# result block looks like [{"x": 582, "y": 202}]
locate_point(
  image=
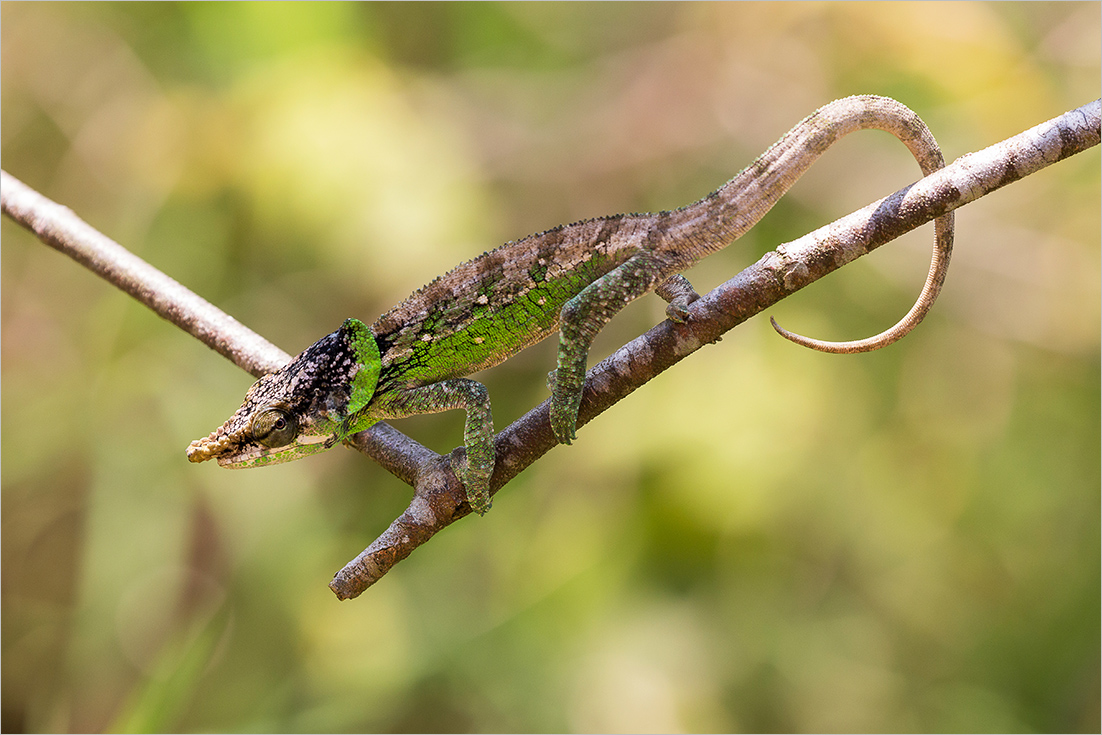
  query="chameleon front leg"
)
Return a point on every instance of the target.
[
  {"x": 478, "y": 431},
  {"x": 587, "y": 313}
]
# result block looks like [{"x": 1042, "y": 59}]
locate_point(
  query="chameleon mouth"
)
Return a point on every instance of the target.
[
  {"x": 259, "y": 456},
  {"x": 249, "y": 457},
  {"x": 232, "y": 454}
]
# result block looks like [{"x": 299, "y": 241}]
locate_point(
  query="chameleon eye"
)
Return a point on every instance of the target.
[{"x": 273, "y": 427}]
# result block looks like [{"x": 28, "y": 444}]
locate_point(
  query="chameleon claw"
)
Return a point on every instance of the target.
[
  {"x": 564, "y": 419},
  {"x": 479, "y": 504},
  {"x": 480, "y": 501},
  {"x": 678, "y": 311},
  {"x": 476, "y": 484}
]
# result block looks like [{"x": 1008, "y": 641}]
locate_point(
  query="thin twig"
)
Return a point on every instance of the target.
[{"x": 60, "y": 228}]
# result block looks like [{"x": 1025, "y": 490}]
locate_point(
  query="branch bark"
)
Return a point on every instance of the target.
[{"x": 439, "y": 498}]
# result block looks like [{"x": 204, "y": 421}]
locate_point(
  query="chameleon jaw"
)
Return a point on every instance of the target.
[
  {"x": 233, "y": 453},
  {"x": 258, "y": 456}
]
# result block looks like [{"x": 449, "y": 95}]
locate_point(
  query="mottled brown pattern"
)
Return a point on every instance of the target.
[{"x": 504, "y": 274}]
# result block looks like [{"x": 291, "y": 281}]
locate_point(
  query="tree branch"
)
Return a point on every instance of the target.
[
  {"x": 439, "y": 498},
  {"x": 60, "y": 228}
]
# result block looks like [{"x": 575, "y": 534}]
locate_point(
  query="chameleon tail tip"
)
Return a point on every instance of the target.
[{"x": 883, "y": 339}]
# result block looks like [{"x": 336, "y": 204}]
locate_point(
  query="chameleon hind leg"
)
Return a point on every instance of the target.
[
  {"x": 678, "y": 293},
  {"x": 478, "y": 431},
  {"x": 587, "y": 313}
]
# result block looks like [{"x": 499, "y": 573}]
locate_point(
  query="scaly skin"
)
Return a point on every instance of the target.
[{"x": 574, "y": 278}]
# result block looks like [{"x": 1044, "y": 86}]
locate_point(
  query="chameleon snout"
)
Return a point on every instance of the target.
[{"x": 210, "y": 447}]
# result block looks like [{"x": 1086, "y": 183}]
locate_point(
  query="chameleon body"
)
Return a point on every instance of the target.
[{"x": 572, "y": 278}]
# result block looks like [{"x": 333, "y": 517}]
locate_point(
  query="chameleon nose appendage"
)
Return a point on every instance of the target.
[{"x": 210, "y": 447}]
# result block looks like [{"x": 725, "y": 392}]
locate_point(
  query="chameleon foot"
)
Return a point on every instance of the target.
[
  {"x": 564, "y": 416},
  {"x": 476, "y": 484}
]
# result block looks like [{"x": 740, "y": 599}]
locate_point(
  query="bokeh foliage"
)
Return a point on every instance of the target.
[{"x": 762, "y": 539}]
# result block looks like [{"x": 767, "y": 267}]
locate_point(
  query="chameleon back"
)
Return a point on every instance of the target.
[{"x": 487, "y": 309}]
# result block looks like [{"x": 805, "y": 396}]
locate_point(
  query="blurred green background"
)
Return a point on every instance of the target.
[{"x": 764, "y": 538}]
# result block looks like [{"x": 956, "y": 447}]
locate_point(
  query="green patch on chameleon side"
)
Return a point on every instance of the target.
[
  {"x": 490, "y": 331},
  {"x": 366, "y": 350}
]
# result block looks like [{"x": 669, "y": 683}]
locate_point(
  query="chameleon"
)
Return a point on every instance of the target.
[{"x": 572, "y": 278}]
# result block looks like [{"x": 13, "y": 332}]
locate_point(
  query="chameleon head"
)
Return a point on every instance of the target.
[{"x": 303, "y": 408}]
